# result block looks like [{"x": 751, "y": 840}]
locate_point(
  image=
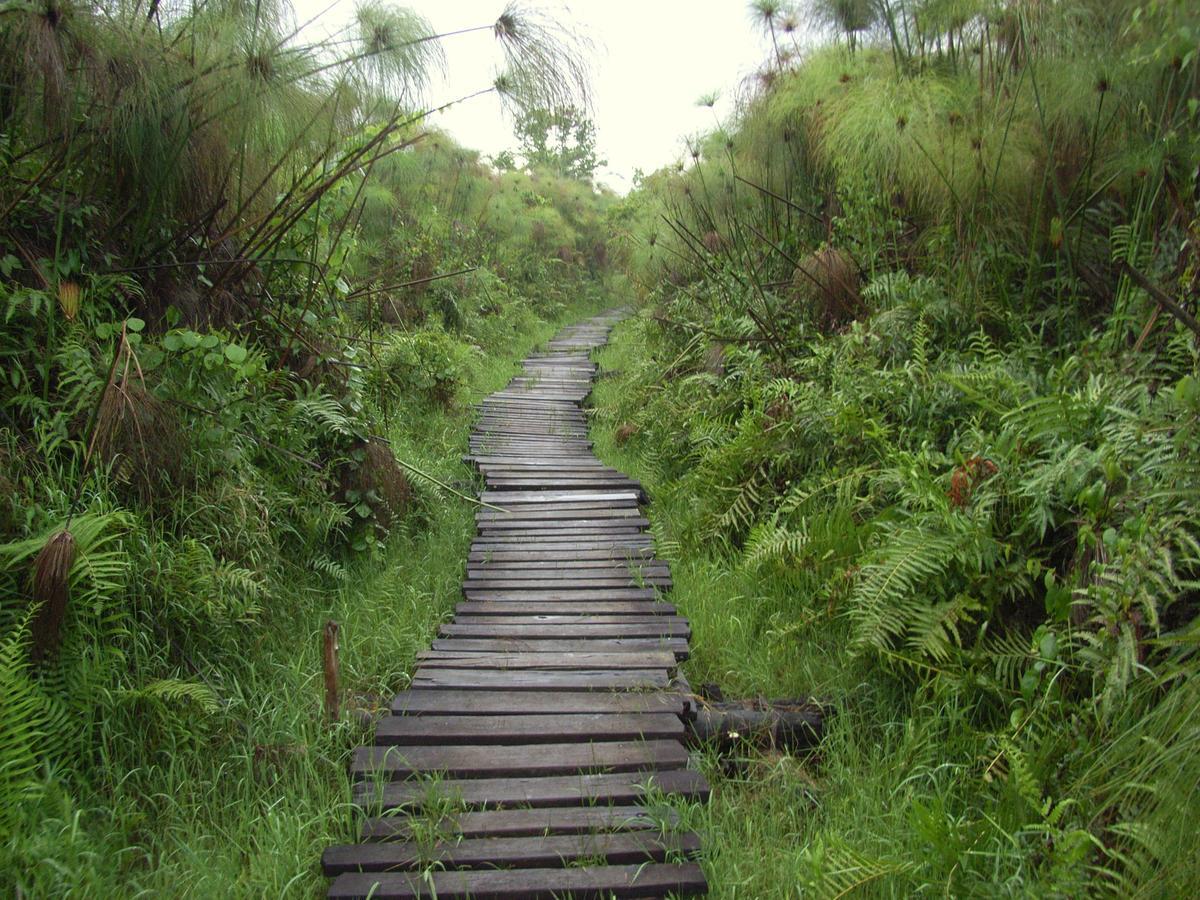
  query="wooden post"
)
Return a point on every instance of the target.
[{"x": 332, "y": 704}]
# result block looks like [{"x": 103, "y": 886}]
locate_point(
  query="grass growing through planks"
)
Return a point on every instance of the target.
[{"x": 242, "y": 804}]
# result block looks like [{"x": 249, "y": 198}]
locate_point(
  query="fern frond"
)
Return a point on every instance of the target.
[
  {"x": 23, "y": 728},
  {"x": 887, "y": 599},
  {"x": 176, "y": 690}
]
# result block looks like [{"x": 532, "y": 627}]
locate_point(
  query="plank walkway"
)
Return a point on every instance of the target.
[{"x": 517, "y": 763}]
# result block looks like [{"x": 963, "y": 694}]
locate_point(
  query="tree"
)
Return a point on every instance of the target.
[{"x": 561, "y": 141}]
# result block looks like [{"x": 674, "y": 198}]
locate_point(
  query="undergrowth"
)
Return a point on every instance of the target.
[
  {"x": 914, "y": 382},
  {"x": 228, "y": 782}
]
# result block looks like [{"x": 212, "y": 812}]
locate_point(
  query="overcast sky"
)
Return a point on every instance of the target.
[{"x": 654, "y": 59}]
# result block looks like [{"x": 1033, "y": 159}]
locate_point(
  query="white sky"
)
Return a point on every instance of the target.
[{"x": 653, "y": 60}]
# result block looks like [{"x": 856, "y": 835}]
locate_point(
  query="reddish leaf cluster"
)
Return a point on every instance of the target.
[{"x": 967, "y": 477}]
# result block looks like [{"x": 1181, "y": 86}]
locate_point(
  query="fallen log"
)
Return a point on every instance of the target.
[{"x": 787, "y": 724}]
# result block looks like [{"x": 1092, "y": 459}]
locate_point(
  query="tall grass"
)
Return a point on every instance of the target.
[
  {"x": 233, "y": 790},
  {"x": 908, "y": 416}
]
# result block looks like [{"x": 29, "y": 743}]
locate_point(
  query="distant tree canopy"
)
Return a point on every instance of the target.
[{"x": 561, "y": 141}]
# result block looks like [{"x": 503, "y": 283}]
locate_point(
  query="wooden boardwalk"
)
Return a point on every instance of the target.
[{"x": 550, "y": 705}]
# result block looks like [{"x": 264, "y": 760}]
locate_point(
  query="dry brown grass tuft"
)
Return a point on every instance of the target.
[
  {"x": 139, "y": 438},
  {"x": 623, "y": 433},
  {"x": 51, "y": 591},
  {"x": 381, "y": 474},
  {"x": 828, "y": 281}
]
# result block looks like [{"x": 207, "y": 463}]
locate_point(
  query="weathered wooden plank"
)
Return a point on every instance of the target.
[
  {"x": 558, "y": 506},
  {"x": 527, "y": 822},
  {"x": 527, "y": 729},
  {"x": 596, "y": 566},
  {"x": 587, "y": 680},
  {"x": 557, "y": 594},
  {"x": 579, "y": 582},
  {"x": 583, "y": 617},
  {"x": 635, "y": 543},
  {"x": 648, "y": 880},
  {"x": 525, "y": 517},
  {"x": 611, "y": 555},
  {"x": 677, "y": 646},
  {"x": 540, "y": 497},
  {"x": 653, "y": 628},
  {"x": 511, "y": 522},
  {"x": 535, "y": 793},
  {"x": 521, "y": 852},
  {"x": 557, "y": 702},
  {"x": 543, "y": 661},
  {"x": 533, "y": 608},
  {"x": 516, "y": 760}
]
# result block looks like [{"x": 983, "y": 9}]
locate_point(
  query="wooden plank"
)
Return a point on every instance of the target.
[
  {"x": 527, "y": 729},
  {"x": 505, "y": 702},
  {"x": 525, "y": 517},
  {"x": 597, "y": 523},
  {"x": 598, "y": 566},
  {"x": 586, "y": 680},
  {"x": 636, "y": 543},
  {"x": 677, "y": 646},
  {"x": 535, "y": 793},
  {"x": 567, "y": 582},
  {"x": 544, "y": 595},
  {"x": 579, "y": 582},
  {"x": 622, "y": 848},
  {"x": 557, "y": 506},
  {"x": 516, "y": 760},
  {"x": 654, "y": 628},
  {"x": 648, "y": 880},
  {"x": 544, "y": 661},
  {"x": 583, "y": 617},
  {"x": 540, "y": 497},
  {"x": 528, "y": 822},
  {"x": 533, "y": 608},
  {"x": 585, "y": 463},
  {"x": 610, "y": 556}
]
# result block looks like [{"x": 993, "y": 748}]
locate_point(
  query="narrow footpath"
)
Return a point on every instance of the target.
[{"x": 550, "y": 706}]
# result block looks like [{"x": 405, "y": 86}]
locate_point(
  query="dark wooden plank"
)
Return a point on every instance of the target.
[
  {"x": 516, "y": 760},
  {"x": 582, "y": 582},
  {"x": 534, "y": 608},
  {"x": 558, "y": 506},
  {"x": 676, "y": 646},
  {"x": 527, "y": 822},
  {"x": 536, "y": 793},
  {"x": 526, "y": 517},
  {"x": 648, "y": 880},
  {"x": 583, "y": 617},
  {"x": 587, "y": 680},
  {"x": 565, "y": 572},
  {"x": 592, "y": 566},
  {"x": 612, "y": 533},
  {"x": 621, "y": 848},
  {"x": 505, "y": 702},
  {"x": 636, "y": 543},
  {"x": 514, "y": 522},
  {"x": 585, "y": 463},
  {"x": 656, "y": 627},
  {"x": 615, "y": 555},
  {"x": 540, "y": 497},
  {"x": 526, "y": 729},
  {"x": 543, "y": 661},
  {"x": 556, "y": 594}
]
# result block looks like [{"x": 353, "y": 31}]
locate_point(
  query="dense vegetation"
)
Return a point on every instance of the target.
[
  {"x": 248, "y": 293},
  {"x": 915, "y": 388}
]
